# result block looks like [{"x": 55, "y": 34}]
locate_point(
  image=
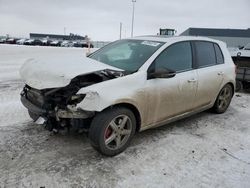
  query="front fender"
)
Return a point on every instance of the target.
[
  {"x": 129, "y": 89},
  {"x": 94, "y": 101}
]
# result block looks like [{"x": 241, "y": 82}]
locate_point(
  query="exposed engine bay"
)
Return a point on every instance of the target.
[{"x": 57, "y": 106}]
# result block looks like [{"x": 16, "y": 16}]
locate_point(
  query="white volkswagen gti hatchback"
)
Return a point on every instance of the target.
[{"x": 128, "y": 86}]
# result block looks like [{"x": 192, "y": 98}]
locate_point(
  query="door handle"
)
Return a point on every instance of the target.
[
  {"x": 192, "y": 80},
  {"x": 220, "y": 73}
]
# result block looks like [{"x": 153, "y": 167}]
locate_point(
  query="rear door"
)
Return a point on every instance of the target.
[{"x": 209, "y": 62}]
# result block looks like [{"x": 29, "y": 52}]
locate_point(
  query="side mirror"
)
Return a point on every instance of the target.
[{"x": 161, "y": 73}]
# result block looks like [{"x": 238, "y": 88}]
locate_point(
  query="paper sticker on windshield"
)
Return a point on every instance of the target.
[{"x": 151, "y": 43}]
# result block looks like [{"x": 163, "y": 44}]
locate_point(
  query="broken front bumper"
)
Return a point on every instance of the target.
[
  {"x": 31, "y": 107},
  {"x": 69, "y": 113}
]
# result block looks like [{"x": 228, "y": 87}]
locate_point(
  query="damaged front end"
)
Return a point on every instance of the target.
[{"x": 57, "y": 107}]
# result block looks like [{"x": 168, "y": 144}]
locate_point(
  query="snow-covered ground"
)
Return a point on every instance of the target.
[{"x": 205, "y": 150}]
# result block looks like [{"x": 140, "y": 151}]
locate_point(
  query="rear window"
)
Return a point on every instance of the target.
[
  {"x": 219, "y": 55},
  {"x": 205, "y": 54}
]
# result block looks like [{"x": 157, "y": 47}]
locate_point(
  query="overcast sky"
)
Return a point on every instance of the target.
[{"x": 100, "y": 18}]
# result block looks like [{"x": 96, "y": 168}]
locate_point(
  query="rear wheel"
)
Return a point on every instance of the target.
[
  {"x": 239, "y": 85},
  {"x": 224, "y": 99},
  {"x": 112, "y": 130}
]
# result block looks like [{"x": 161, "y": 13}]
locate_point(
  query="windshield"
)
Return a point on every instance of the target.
[{"x": 128, "y": 55}]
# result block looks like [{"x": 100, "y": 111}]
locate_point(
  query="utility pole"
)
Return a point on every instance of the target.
[
  {"x": 133, "y": 17},
  {"x": 120, "y": 30}
]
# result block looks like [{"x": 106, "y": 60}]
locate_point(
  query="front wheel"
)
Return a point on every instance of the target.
[
  {"x": 112, "y": 130},
  {"x": 224, "y": 99}
]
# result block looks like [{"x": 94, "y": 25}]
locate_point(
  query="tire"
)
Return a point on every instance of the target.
[
  {"x": 33, "y": 115},
  {"x": 239, "y": 86},
  {"x": 112, "y": 130},
  {"x": 223, "y": 99}
]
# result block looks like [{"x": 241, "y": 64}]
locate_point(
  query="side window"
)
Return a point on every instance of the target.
[
  {"x": 219, "y": 55},
  {"x": 205, "y": 54},
  {"x": 177, "y": 57}
]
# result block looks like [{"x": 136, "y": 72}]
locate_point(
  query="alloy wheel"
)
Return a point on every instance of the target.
[
  {"x": 118, "y": 132},
  {"x": 224, "y": 98}
]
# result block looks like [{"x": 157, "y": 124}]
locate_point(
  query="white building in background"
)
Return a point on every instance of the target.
[{"x": 233, "y": 37}]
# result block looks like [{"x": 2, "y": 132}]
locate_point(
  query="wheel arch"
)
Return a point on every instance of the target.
[
  {"x": 222, "y": 86},
  {"x": 232, "y": 85},
  {"x": 131, "y": 107}
]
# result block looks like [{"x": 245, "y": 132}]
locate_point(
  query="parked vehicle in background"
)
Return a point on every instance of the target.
[
  {"x": 46, "y": 42},
  {"x": 10, "y": 41},
  {"x": 28, "y": 42},
  {"x": 128, "y": 86},
  {"x": 67, "y": 44},
  {"x": 21, "y": 41},
  {"x": 64, "y": 43},
  {"x": 37, "y": 42},
  {"x": 33, "y": 42},
  {"x": 243, "y": 51},
  {"x": 2, "y": 40},
  {"x": 243, "y": 77},
  {"x": 77, "y": 44},
  {"x": 82, "y": 44},
  {"x": 55, "y": 43},
  {"x": 241, "y": 58}
]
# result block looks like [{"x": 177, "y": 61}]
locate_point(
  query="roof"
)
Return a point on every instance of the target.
[
  {"x": 245, "y": 33},
  {"x": 159, "y": 38}
]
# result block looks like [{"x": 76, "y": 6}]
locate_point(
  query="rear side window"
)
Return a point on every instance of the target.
[
  {"x": 205, "y": 54},
  {"x": 219, "y": 55},
  {"x": 177, "y": 57}
]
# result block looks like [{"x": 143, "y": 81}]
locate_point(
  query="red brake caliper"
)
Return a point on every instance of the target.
[{"x": 108, "y": 133}]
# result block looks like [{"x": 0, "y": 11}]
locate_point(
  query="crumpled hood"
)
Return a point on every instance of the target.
[{"x": 53, "y": 72}]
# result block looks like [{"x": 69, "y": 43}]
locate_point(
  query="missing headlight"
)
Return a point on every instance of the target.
[{"x": 75, "y": 99}]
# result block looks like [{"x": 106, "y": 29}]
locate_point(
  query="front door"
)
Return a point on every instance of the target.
[{"x": 168, "y": 97}]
